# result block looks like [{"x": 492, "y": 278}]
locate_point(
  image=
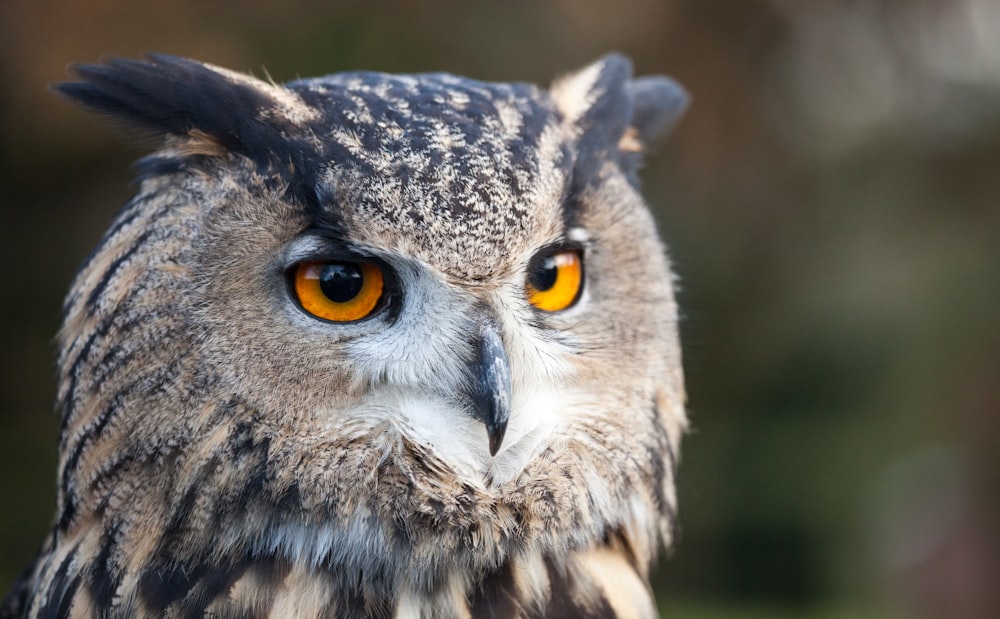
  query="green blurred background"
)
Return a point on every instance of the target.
[{"x": 830, "y": 201}]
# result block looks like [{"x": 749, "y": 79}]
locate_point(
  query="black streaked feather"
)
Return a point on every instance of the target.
[
  {"x": 566, "y": 601},
  {"x": 649, "y": 106},
  {"x": 606, "y": 119},
  {"x": 175, "y": 96},
  {"x": 496, "y": 596},
  {"x": 167, "y": 95}
]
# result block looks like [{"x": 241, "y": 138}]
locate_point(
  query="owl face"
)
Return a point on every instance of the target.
[{"x": 391, "y": 324}]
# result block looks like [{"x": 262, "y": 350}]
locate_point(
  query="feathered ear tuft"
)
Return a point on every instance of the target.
[
  {"x": 167, "y": 95},
  {"x": 657, "y": 106},
  {"x": 595, "y": 100},
  {"x": 612, "y": 112}
]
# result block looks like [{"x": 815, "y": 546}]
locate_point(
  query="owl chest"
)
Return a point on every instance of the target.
[
  {"x": 598, "y": 583},
  {"x": 595, "y": 584}
]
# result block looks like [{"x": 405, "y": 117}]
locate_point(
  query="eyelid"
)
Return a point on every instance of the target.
[
  {"x": 560, "y": 245},
  {"x": 316, "y": 248},
  {"x": 304, "y": 249}
]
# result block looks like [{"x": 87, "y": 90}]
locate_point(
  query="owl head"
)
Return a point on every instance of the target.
[{"x": 395, "y": 325}]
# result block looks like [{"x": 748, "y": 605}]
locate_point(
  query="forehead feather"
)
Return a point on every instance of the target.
[{"x": 459, "y": 172}]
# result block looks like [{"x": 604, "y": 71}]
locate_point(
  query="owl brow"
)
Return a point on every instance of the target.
[
  {"x": 326, "y": 243},
  {"x": 562, "y": 243},
  {"x": 323, "y": 216},
  {"x": 570, "y": 204}
]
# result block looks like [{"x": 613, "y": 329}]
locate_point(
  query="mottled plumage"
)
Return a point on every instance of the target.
[{"x": 455, "y": 452}]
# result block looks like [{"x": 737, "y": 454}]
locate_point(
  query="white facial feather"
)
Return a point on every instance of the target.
[{"x": 415, "y": 369}]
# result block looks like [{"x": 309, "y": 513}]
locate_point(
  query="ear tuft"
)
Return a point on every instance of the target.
[
  {"x": 595, "y": 100},
  {"x": 171, "y": 96},
  {"x": 657, "y": 105},
  {"x": 595, "y": 94},
  {"x": 611, "y": 112}
]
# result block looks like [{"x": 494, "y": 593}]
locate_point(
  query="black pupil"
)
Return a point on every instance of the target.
[
  {"x": 543, "y": 276},
  {"x": 341, "y": 281}
]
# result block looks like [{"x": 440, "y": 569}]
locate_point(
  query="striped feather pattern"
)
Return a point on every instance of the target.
[{"x": 222, "y": 454}]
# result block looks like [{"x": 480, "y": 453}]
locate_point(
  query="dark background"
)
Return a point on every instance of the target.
[{"x": 831, "y": 203}]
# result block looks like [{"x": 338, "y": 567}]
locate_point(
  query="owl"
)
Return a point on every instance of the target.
[{"x": 368, "y": 345}]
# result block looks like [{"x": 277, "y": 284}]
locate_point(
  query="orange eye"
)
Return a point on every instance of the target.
[
  {"x": 338, "y": 291},
  {"x": 554, "y": 281}
]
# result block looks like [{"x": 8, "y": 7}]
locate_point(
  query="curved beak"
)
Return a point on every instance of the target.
[{"x": 491, "y": 390}]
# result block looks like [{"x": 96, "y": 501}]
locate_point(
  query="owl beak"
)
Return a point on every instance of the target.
[{"x": 491, "y": 391}]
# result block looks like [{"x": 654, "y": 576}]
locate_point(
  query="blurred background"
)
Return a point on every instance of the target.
[{"x": 831, "y": 202}]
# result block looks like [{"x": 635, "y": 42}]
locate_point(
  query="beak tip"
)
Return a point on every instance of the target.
[{"x": 496, "y": 434}]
